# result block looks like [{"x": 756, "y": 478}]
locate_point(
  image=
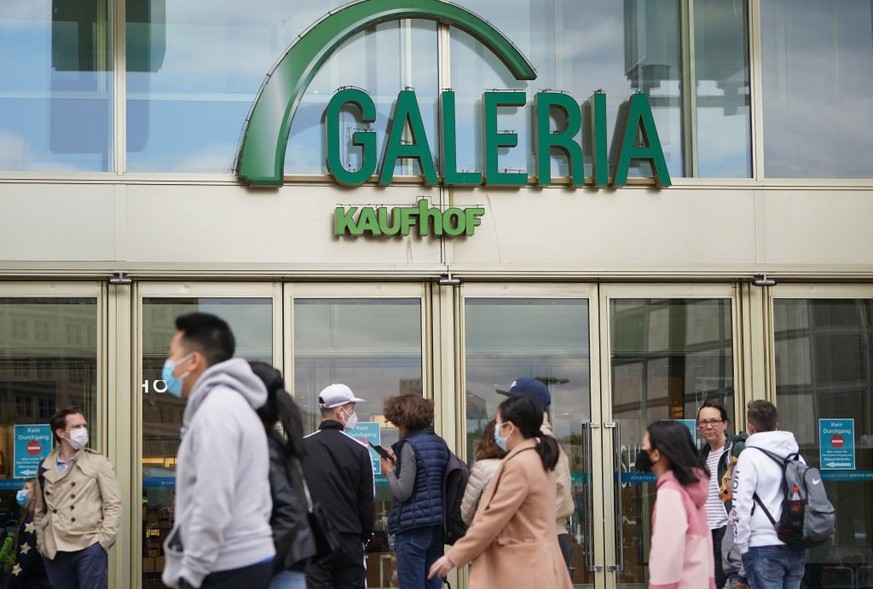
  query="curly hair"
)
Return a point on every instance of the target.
[
  {"x": 486, "y": 447},
  {"x": 412, "y": 412}
]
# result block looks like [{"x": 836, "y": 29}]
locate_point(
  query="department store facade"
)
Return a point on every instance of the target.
[{"x": 646, "y": 204}]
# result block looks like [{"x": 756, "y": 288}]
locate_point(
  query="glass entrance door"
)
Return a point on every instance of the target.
[
  {"x": 667, "y": 350},
  {"x": 823, "y": 367}
]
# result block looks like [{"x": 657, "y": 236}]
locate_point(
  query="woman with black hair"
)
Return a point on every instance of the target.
[
  {"x": 681, "y": 548},
  {"x": 292, "y": 536},
  {"x": 513, "y": 540}
]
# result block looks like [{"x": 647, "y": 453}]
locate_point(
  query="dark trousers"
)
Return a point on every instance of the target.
[
  {"x": 717, "y": 536},
  {"x": 344, "y": 570},
  {"x": 254, "y": 576},
  {"x": 566, "y": 549},
  {"x": 82, "y": 569}
]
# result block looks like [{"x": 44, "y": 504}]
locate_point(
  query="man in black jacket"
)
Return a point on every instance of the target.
[{"x": 339, "y": 472}]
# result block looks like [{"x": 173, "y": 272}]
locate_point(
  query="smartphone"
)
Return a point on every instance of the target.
[{"x": 381, "y": 451}]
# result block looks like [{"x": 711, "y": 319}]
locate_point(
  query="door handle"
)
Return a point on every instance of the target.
[
  {"x": 588, "y": 498},
  {"x": 618, "y": 515}
]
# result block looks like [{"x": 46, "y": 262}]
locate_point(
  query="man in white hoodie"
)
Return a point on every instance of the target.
[
  {"x": 221, "y": 537},
  {"x": 769, "y": 562}
]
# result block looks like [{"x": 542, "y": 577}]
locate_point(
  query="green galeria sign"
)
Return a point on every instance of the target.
[{"x": 262, "y": 154}]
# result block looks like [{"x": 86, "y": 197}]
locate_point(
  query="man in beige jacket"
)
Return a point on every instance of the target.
[
  {"x": 78, "y": 508},
  {"x": 564, "y": 507}
]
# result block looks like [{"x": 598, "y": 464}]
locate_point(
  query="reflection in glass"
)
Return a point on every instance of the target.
[
  {"x": 374, "y": 347},
  {"x": 824, "y": 370},
  {"x": 251, "y": 321},
  {"x": 818, "y": 92},
  {"x": 56, "y": 91},
  {"x": 48, "y": 361},
  {"x": 507, "y": 339},
  {"x": 667, "y": 357},
  {"x": 383, "y": 60}
]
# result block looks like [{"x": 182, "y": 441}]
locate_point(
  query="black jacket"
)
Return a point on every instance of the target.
[
  {"x": 340, "y": 477},
  {"x": 292, "y": 535}
]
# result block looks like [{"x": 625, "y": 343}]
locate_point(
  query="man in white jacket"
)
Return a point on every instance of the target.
[
  {"x": 221, "y": 537},
  {"x": 769, "y": 562}
]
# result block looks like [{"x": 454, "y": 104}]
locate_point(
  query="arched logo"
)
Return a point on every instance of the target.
[{"x": 262, "y": 154}]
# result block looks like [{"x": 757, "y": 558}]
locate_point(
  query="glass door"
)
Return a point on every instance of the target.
[
  {"x": 513, "y": 331},
  {"x": 667, "y": 349},
  {"x": 823, "y": 372},
  {"x": 370, "y": 337},
  {"x": 252, "y": 311}
]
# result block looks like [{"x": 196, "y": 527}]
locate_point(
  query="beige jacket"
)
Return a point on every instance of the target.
[
  {"x": 79, "y": 506},
  {"x": 512, "y": 541},
  {"x": 480, "y": 474},
  {"x": 564, "y": 506}
]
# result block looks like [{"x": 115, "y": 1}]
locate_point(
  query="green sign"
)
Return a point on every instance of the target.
[
  {"x": 429, "y": 220},
  {"x": 262, "y": 154}
]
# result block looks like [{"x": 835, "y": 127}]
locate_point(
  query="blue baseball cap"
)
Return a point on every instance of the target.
[{"x": 533, "y": 387}]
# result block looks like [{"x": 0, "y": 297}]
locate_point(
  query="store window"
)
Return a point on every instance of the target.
[
  {"x": 375, "y": 347},
  {"x": 817, "y": 91},
  {"x": 36, "y": 379},
  {"x": 57, "y": 86},
  {"x": 251, "y": 321}
]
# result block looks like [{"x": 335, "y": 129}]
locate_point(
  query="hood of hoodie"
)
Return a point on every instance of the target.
[
  {"x": 234, "y": 374},
  {"x": 779, "y": 442},
  {"x": 697, "y": 491}
]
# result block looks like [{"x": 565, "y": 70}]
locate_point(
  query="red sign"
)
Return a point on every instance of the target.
[
  {"x": 33, "y": 447},
  {"x": 837, "y": 441}
]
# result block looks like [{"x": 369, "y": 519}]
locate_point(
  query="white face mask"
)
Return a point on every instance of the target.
[
  {"x": 351, "y": 420},
  {"x": 79, "y": 438}
]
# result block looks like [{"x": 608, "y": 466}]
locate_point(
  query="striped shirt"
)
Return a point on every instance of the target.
[{"x": 716, "y": 516}]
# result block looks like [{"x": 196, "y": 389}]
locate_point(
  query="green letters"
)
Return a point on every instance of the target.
[
  {"x": 406, "y": 110},
  {"x": 562, "y": 140},
  {"x": 449, "y": 146},
  {"x": 366, "y": 140},
  {"x": 640, "y": 121},
  {"x": 430, "y": 220},
  {"x": 494, "y": 139}
]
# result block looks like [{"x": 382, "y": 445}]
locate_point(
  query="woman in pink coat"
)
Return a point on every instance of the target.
[
  {"x": 680, "y": 556},
  {"x": 513, "y": 540}
]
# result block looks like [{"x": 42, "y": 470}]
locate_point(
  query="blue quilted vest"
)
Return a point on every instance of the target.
[{"x": 425, "y": 506}]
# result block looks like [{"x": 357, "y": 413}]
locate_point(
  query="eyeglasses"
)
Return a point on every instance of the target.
[{"x": 709, "y": 422}]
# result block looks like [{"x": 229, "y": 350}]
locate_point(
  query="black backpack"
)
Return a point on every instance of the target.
[
  {"x": 808, "y": 517},
  {"x": 454, "y": 482}
]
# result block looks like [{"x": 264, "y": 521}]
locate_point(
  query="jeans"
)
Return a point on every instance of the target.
[
  {"x": 255, "y": 576},
  {"x": 82, "y": 569},
  {"x": 417, "y": 550},
  {"x": 774, "y": 567},
  {"x": 288, "y": 580}
]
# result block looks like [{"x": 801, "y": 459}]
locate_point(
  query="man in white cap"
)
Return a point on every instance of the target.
[{"x": 339, "y": 473}]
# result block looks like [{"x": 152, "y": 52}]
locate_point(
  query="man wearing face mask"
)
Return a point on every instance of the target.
[
  {"x": 78, "y": 509},
  {"x": 221, "y": 536},
  {"x": 339, "y": 473}
]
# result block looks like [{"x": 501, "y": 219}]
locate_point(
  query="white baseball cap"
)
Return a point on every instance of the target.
[{"x": 335, "y": 395}]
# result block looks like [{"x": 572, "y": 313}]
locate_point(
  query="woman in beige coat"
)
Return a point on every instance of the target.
[{"x": 512, "y": 541}]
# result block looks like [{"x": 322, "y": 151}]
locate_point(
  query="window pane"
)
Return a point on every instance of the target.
[
  {"x": 824, "y": 371},
  {"x": 48, "y": 361},
  {"x": 382, "y": 60},
  {"x": 818, "y": 92},
  {"x": 721, "y": 69},
  {"x": 251, "y": 321},
  {"x": 56, "y": 89},
  {"x": 506, "y": 339}
]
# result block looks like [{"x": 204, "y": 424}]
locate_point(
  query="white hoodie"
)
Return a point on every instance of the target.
[
  {"x": 757, "y": 473},
  {"x": 223, "y": 503}
]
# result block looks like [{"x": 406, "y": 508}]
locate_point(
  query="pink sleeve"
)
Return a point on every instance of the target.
[{"x": 667, "y": 552}]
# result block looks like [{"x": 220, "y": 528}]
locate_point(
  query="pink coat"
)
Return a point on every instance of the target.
[
  {"x": 681, "y": 553},
  {"x": 512, "y": 541}
]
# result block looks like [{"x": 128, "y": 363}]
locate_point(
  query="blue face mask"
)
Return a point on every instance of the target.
[
  {"x": 498, "y": 439},
  {"x": 174, "y": 383},
  {"x": 22, "y": 497}
]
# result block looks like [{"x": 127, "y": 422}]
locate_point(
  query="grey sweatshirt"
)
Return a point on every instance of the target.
[{"x": 223, "y": 501}]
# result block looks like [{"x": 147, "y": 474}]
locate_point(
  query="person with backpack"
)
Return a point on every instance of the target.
[
  {"x": 292, "y": 536},
  {"x": 758, "y": 491},
  {"x": 415, "y": 474},
  {"x": 511, "y": 542},
  {"x": 680, "y": 555}
]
